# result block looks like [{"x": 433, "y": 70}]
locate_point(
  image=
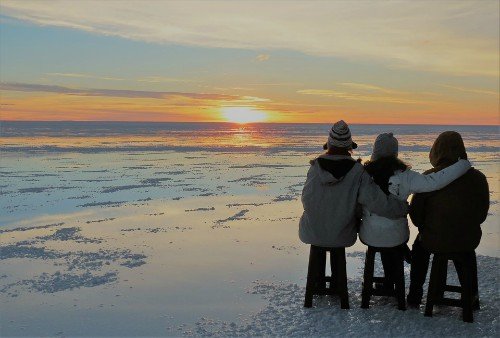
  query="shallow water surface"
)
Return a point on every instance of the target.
[{"x": 155, "y": 229}]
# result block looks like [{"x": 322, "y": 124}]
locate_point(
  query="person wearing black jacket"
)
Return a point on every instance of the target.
[{"x": 449, "y": 220}]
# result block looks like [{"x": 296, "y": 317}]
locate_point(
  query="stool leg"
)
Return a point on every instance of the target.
[
  {"x": 333, "y": 265},
  {"x": 368, "y": 278},
  {"x": 399, "y": 278},
  {"x": 311, "y": 274},
  {"x": 474, "y": 283},
  {"x": 321, "y": 269},
  {"x": 341, "y": 277},
  {"x": 433, "y": 286},
  {"x": 443, "y": 274},
  {"x": 467, "y": 287}
]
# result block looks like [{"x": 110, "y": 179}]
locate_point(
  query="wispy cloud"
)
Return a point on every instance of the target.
[
  {"x": 366, "y": 87},
  {"x": 454, "y": 37},
  {"x": 359, "y": 97},
  {"x": 160, "y": 79},
  {"x": 473, "y": 90},
  {"x": 85, "y": 76},
  {"x": 27, "y": 87}
]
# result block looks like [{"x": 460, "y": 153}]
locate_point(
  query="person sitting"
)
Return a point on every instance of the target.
[
  {"x": 336, "y": 183},
  {"x": 394, "y": 176},
  {"x": 448, "y": 220}
]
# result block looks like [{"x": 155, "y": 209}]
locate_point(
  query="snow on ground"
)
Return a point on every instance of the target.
[{"x": 284, "y": 314}]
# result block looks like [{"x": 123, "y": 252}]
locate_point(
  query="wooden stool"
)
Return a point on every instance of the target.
[
  {"x": 395, "y": 276},
  {"x": 316, "y": 279},
  {"x": 466, "y": 266}
]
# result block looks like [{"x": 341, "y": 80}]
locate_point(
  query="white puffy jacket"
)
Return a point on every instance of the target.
[
  {"x": 329, "y": 217},
  {"x": 383, "y": 232}
]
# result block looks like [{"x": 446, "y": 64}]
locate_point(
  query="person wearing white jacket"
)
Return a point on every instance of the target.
[{"x": 397, "y": 179}]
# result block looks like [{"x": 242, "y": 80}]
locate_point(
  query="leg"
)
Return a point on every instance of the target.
[
  {"x": 388, "y": 263},
  {"x": 399, "y": 278},
  {"x": 419, "y": 266},
  {"x": 368, "y": 278}
]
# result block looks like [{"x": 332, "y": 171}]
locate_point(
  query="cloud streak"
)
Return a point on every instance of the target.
[
  {"x": 85, "y": 76},
  {"x": 454, "y": 37},
  {"x": 27, "y": 87},
  {"x": 368, "y": 93}
]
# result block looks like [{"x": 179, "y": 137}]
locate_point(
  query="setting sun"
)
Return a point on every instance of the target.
[{"x": 243, "y": 114}]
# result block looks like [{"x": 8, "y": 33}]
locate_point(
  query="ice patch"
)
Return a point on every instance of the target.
[
  {"x": 238, "y": 216},
  {"x": 200, "y": 209}
]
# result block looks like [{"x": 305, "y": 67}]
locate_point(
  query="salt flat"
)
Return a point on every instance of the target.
[{"x": 181, "y": 242}]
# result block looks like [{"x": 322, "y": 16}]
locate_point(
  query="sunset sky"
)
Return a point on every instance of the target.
[{"x": 433, "y": 62}]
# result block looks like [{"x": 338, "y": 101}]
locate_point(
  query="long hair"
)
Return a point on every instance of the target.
[{"x": 383, "y": 168}]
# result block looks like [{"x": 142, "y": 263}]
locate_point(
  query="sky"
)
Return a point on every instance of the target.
[{"x": 425, "y": 62}]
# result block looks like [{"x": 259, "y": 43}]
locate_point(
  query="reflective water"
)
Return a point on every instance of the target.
[{"x": 140, "y": 228}]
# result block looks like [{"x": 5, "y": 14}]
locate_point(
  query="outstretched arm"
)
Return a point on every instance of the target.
[
  {"x": 410, "y": 182},
  {"x": 375, "y": 200}
]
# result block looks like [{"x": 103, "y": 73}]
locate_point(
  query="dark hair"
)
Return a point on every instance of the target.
[
  {"x": 383, "y": 168},
  {"x": 338, "y": 151}
]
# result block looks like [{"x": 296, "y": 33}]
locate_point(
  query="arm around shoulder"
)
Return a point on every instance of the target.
[
  {"x": 418, "y": 183},
  {"x": 375, "y": 200}
]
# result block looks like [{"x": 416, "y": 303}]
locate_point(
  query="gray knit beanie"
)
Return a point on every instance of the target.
[
  {"x": 386, "y": 145},
  {"x": 340, "y": 136}
]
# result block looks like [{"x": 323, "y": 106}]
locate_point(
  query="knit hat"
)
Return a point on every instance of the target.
[
  {"x": 340, "y": 136},
  {"x": 386, "y": 145}
]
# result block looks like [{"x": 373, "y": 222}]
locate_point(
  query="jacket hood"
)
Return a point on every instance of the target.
[
  {"x": 325, "y": 176},
  {"x": 447, "y": 149}
]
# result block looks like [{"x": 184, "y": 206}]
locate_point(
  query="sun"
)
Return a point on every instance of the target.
[{"x": 243, "y": 114}]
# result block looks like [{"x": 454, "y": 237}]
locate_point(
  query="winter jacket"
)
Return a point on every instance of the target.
[
  {"x": 330, "y": 196},
  {"x": 379, "y": 231},
  {"x": 449, "y": 219}
]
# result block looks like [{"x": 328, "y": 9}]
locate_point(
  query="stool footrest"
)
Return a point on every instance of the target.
[
  {"x": 378, "y": 279},
  {"x": 450, "y": 302},
  {"x": 453, "y": 288}
]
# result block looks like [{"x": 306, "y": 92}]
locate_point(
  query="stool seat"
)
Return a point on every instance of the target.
[
  {"x": 392, "y": 283},
  {"x": 466, "y": 267},
  {"x": 317, "y": 279}
]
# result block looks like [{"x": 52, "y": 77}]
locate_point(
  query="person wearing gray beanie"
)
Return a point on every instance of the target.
[
  {"x": 395, "y": 177},
  {"x": 339, "y": 137},
  {"x": 386, "y": 145}
]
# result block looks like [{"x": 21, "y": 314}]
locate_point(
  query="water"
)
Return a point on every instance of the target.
[{"x": 177, "y": 219}]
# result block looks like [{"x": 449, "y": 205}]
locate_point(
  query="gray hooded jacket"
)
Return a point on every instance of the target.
[{"x": 329, "y": 217}]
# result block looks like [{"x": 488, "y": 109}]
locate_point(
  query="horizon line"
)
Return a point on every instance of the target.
[{"x": 253, "y": 123}]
